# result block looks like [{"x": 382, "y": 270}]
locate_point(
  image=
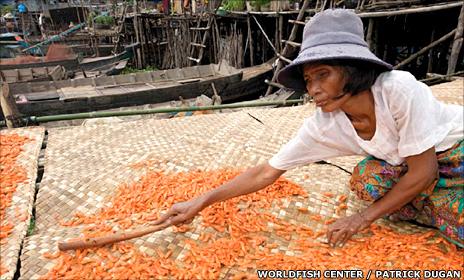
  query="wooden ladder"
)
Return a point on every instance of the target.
[
  {"x": 120, "y": 26},
  {"x": 196, "y": 46},
  {"x": 290, "y": 44}
]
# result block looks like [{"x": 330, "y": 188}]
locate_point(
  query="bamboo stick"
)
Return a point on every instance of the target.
[
  {"x": 137, "y": 36},
  {"x": 370, "y": 29},
  {"x": 292, "y": 37},
  {"x": 250, "y": 41},
  {"x": 424, "y": 49},
  {"x": 109, "y": 239},
  {"x": 412, "y": 10},
  {"x": 430, "y": 62},
  {"x": 457, "y": 43},
  {"x": 9, "y": 108},
  {"x": 265, "y": 35}
]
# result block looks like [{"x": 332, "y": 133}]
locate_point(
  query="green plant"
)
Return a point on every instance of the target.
[
  {"x": 262, "y": 2},
  {"x": 6, "y": 9},
  {"x": 104, "y": 20},
  {"x": 130, "y": 70},
  {"x": 234, "y": 5}
]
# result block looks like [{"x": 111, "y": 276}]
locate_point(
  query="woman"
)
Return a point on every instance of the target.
[{"x": 414, "y": 143}]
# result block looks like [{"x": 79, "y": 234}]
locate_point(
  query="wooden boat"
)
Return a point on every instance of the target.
[
  {"x": 252, "y": 84},
  {"x": 98, "y": 63},
  {"x": 106, "y": 92},
  {"x": 67, "y": 59},
  {"x": 36, "y": 62},
  {"x": 33, "y": 74}
]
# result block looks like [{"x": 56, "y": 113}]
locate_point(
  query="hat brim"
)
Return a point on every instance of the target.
[{"x": 291, "y": 76}]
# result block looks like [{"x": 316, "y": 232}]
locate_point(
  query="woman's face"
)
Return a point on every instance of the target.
[{"x": 325, "y": 84}]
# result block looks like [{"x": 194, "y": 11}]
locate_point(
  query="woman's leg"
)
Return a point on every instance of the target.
[
  {"x": 440, "y": 205},
  {"x": 373, "y": 178},
  {"x": 445, "y": 205}
]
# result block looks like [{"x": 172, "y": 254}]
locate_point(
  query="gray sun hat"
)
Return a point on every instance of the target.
[{"x": 330, "y": 34}]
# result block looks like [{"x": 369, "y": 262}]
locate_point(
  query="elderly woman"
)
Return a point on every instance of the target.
[{"x": 413, "y": 143}]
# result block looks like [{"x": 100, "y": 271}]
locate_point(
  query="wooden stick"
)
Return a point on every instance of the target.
[
  {"x": 250, "y": 41},
  {"x": 457, "y": 43},
  {"x": 287, "y": 47},
  {"x": 430, "y": 61},
  {"x": 9, "y": 108},
  {"x": 265, "y": 35},
  {"x": 136, "y": 29},
  {"x": 411, "y": 11},
  {"x": 109, "y": 239},
  {"x": 442, "y": 77},
  {"x": 370, "y": 29},
  {"x": 424, "y": 49}
]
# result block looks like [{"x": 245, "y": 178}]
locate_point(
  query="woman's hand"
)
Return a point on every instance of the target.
[
  {"x": 342, "y": 230},
  {"x": 182, "y": 212}
]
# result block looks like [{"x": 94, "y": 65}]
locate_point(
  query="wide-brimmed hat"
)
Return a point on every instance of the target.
[{"x": 330, "y": 34}]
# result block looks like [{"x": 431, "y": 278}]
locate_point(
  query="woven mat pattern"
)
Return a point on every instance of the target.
[
  {"x": 85, "y": 164},
  {"x": 451, "y": 92},
  {"x": 19, "y": 213}
]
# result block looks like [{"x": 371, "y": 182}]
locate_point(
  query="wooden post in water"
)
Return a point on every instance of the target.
[{"x": 457, "y": 43}]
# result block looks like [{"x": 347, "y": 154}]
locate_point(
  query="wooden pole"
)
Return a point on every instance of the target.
[
  {"x": 281, "y": 27},
  {"x": 370, "y": 30},
  {"x": 250, "y": 41},
  {"x": 287, "y": 47},
  {"x": 457, "y": 43},
  {"x": 430, "y": 62},
  {"x": 265, "y": 35},
  {"x": 9, "y": 108},
  {"x": 411, "y": 11},
  {"x": 137, "y": 36},
  {"x": 23, "y": 26},
  {"x": 142, "y": 40},
  {"x": 424, "y": 49},
  {"x": 108, "y": 239},
  {"x": 276, "y": 35}
]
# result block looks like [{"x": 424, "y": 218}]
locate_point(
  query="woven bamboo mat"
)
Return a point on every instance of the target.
[
  {"x": 19, "y": 213},
  {"x": 451, "y": 92},
  {"x": 84, "y": 165}
]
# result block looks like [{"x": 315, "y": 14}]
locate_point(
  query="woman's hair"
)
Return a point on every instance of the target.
[{"x": 359, "y": 75}]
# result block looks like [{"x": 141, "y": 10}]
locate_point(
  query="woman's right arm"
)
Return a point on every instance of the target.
[{"x": 252, "y": 180}]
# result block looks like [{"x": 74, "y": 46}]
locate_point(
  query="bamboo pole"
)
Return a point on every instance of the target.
[
  {"x": 412, "y": 10},
  {"x": 430, "y": 62},
  {"x": 265, "y": 35},
  {"x": 137, "y": 36},
  {"x": 8, "y": 106},
  {"x": 276, "y": 35},
  {"x": 281, "y": 27},
  {"x": 246, "y": 104},
  {"x": 457, "y": 43},
  {"x": 424, "y": 49},
  {"x": 250, "y": 41},
  {"x": 287, "y": 47},
  {"x": 370, "y": 30}
]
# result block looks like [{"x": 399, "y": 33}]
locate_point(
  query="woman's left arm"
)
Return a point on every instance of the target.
[{"x": 422, "y": 171}]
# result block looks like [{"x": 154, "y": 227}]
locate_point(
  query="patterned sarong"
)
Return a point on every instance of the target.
[{"x": 441, "y": 205}]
